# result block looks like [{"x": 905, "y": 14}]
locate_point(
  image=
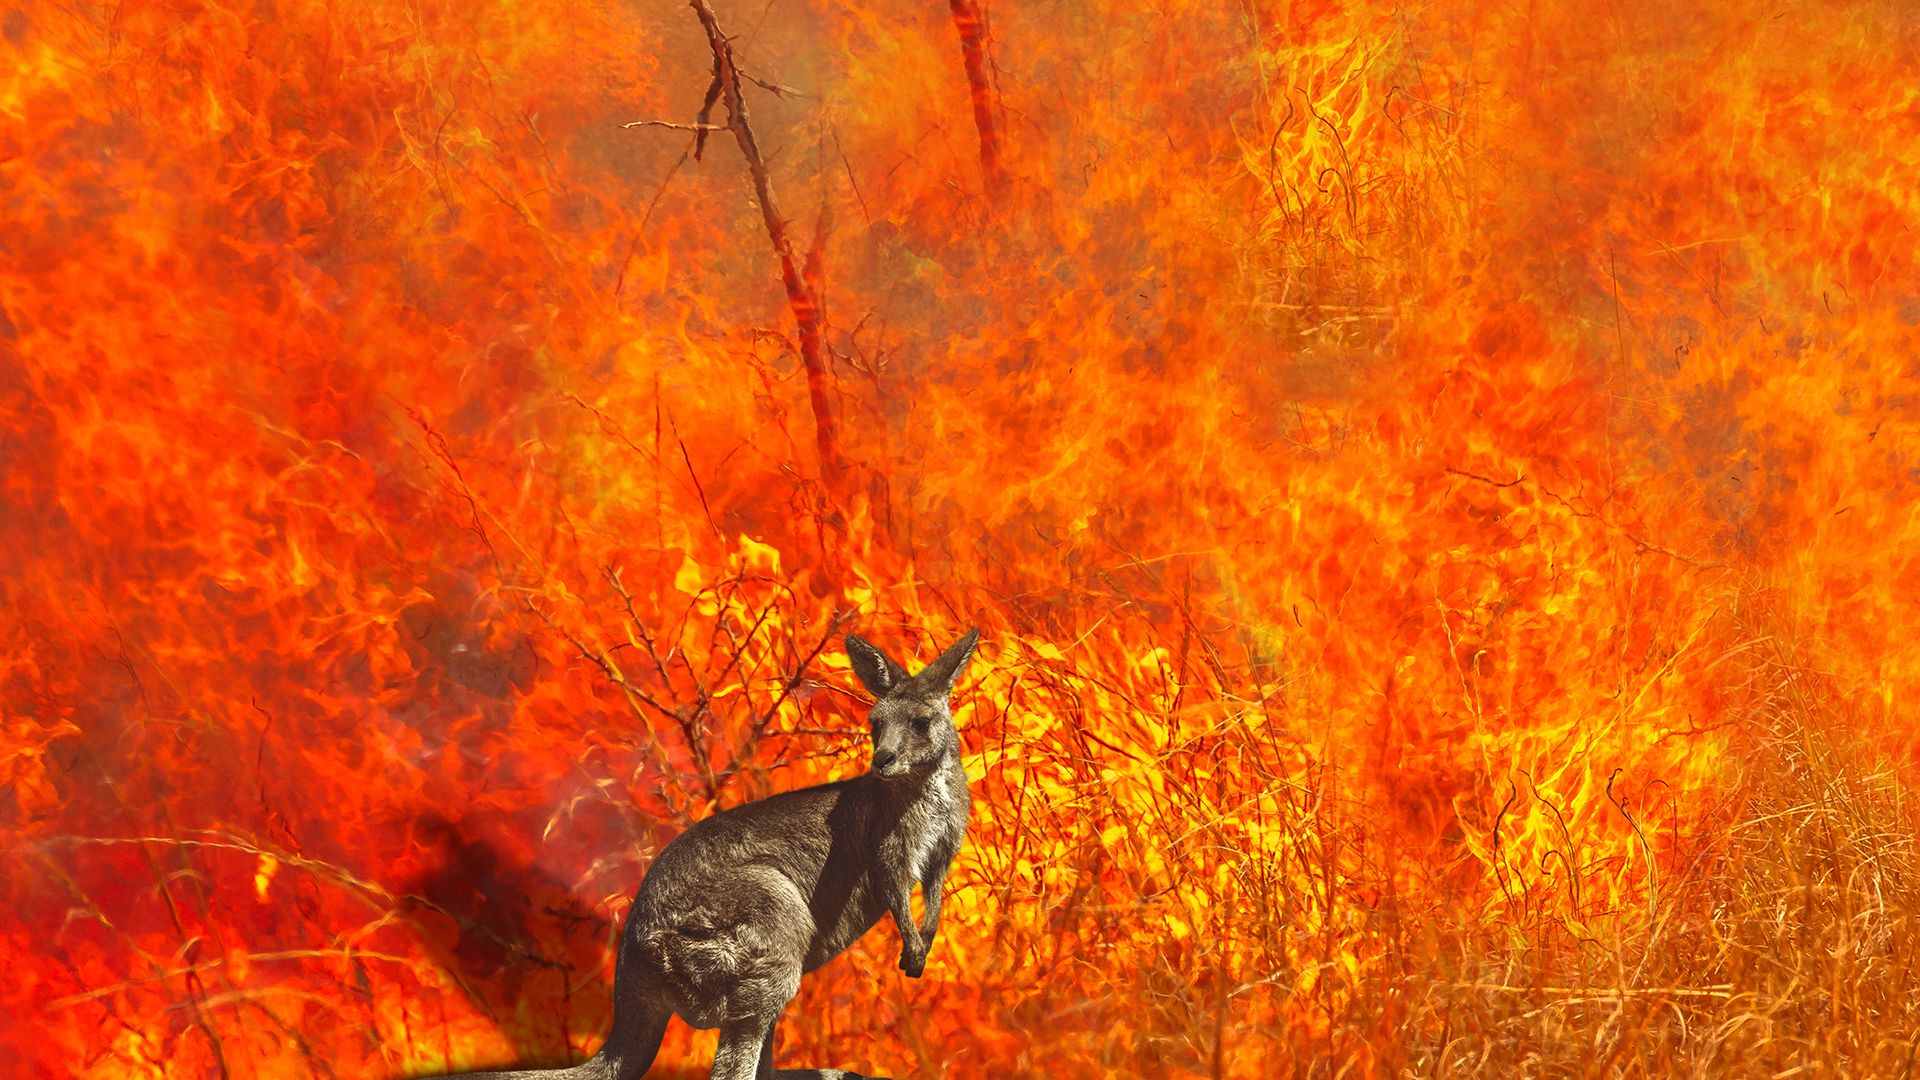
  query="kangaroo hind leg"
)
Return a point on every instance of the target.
[
  {"x": 629, "y": 1051},
  {"x": 754, "y": 964},
  {"x": 639, "y": 1016},
  {"x": 741, "y": 1050}
]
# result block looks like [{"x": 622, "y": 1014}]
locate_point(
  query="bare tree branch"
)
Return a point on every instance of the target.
[
  {"x": 802, "y": 285},
  {"x": 670, "y": 124},
  {"x": 971, "y": 24}
]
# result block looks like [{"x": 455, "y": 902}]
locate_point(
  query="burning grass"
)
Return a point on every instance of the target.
[{"x": 1785, "y": 948}]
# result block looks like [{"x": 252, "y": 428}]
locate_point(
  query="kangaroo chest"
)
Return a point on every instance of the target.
[
  {"x": 930, "y": 829},
  {"x": 911, "y": 841}
]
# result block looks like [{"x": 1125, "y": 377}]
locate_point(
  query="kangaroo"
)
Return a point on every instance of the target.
[{"x": 734, "y": 910}]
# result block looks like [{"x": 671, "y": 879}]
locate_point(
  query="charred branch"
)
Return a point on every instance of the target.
[
  {"x": 970, "y": 22},
  {"x": 802, "y": 282}
]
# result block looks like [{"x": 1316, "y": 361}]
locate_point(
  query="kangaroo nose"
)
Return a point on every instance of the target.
[{"x": 883, "y": 758}]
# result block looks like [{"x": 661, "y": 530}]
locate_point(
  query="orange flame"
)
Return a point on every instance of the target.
[{"x": 1399, "y": 458}]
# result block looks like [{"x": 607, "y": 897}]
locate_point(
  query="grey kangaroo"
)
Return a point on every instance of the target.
[{"x": 738, "y": 907}]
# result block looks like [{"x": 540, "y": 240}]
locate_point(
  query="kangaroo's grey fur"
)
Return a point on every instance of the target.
[{"x": 739, "y": 906}]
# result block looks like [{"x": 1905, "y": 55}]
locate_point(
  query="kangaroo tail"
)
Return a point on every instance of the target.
[{"x": 639, "y": 1023}]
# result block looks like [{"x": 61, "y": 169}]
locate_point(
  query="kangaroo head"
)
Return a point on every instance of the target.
[{"x": 912, "y": 721}]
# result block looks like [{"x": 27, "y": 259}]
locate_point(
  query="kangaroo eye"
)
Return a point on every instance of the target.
[{"x": 920, "y": 723}]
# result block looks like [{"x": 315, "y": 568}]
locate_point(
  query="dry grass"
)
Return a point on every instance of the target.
[
  {"x": 1788, "y": 951},
  {"x": 1779, "y": 938}
]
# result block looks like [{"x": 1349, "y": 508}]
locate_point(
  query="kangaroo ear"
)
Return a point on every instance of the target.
[
  {"x": 939, "y": 676},
  {"x": 876, "y": 669}
]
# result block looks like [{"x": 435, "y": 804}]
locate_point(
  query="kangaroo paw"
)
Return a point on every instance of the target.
[{"x": 914, "y": 964}]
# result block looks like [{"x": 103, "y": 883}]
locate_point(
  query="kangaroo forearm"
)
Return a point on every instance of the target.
[
  {"x": 902, "y": 907},
  {"x": 930, "y": 922},
  {"x": 913, "y": 948}
]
